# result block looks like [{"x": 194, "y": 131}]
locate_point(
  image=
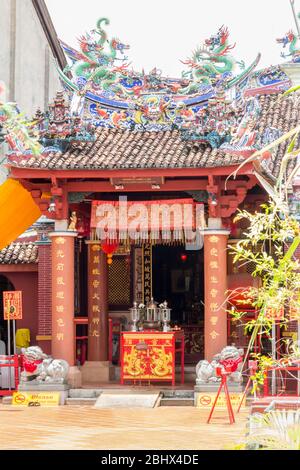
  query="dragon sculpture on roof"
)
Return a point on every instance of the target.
[
  {"x": 212, "y": 61},
  {"x": 98, "y": 67},
  {"x": 290, "y": 39},
  {"x": 114, "y": 95},
  {"x": 94, "y": 66}
]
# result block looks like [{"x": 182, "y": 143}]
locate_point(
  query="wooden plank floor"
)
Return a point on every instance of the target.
[{"x": 88, "y": 428}]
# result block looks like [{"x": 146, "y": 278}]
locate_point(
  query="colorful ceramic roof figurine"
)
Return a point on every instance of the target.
[
  {"x": 119, "y": 97},
  {"x": 291, "y": 39},
  {"x": 112, "y": 117}
]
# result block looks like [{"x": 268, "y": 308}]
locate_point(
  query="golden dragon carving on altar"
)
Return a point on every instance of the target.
[
  {"x": 133, "y": 363},
  {"x": 162, "y": 362}
]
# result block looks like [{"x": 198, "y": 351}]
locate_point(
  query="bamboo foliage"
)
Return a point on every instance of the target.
[{"x": 276, "y": 231}]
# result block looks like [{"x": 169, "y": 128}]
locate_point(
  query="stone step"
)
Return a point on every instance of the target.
[
  {"x": 177, "y": 402},
  {"x": 6, "y": 401},
  {"x": 81, "y": 401},
  {"x": 189, "y": 373},
  {"x": 128, "y": 399},
  {"x": 80, "y": 393},
  {"x": 187, "y": 394}
]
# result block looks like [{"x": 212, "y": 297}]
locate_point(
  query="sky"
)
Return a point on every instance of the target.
[{"x": 163, "y": 32}]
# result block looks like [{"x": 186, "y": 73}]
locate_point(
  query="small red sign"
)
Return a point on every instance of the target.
[
  {"x": 20, "y": 399},
  {"x": 205, "y": 400},
  {"x": 12, "y": 305}
]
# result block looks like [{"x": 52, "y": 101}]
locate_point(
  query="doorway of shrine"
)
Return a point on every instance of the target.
[{"x": 178, "y": 277}]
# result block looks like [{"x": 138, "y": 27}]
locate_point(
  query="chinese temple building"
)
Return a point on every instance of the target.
[{"x": 117, "y": 138}]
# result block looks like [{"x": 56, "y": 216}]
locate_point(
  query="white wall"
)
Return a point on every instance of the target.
[
  {"x": 29, "y": 57},
  {"x": 27, "y": 64}
]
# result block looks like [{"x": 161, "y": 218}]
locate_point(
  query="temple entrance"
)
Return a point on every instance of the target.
[{"x": 178, "y": 277}]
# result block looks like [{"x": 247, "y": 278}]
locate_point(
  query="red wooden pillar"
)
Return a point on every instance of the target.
[
  {"x": 97, "y": 303},
  {"x": 215, "y": 279},
  {"x": 97, "y": 369},
  {"x": 44, "y": 296},
  {"x": 63, "y": 341}
]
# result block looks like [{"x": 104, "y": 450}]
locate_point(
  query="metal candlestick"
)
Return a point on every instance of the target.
[
  {"x": 135, "y": 316},
  {"x": 165, "y": 315}
]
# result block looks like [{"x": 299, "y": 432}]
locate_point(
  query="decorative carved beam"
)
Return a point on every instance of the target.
[
  {"x": 106, "y": 187},
  {"x": 229, "y": 203}
]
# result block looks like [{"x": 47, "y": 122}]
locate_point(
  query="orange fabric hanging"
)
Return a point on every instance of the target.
[{"x": 18, "y": 211}]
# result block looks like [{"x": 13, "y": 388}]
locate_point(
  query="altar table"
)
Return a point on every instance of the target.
[{"x": 150, "y": 356}]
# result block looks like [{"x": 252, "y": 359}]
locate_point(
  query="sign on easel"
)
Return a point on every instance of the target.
[
  {"x": 206, "y": 399},
  {"x": 12, "y": 303}
]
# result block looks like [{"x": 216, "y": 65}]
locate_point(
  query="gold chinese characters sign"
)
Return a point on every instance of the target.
[
  {"x": 138, "y": 275},
  {"x": 98, "y": 330},
  {"x": 60, "y": 281},
  {"x": 215, "y": 254},
  {"x": 147, "y": 272},
  {"x": 63, "y": 289},
  {"x": 213, "y": 292},
  {"x": 95, "y": 289}
]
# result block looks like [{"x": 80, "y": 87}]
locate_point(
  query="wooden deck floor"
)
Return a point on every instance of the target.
[{"x": 83, "y": 428}]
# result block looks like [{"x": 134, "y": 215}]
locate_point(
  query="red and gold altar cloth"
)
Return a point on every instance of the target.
[{"x": 150, "y": 356}]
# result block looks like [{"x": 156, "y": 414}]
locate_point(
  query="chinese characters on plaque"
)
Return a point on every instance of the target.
[
  {"x": 95, "y": 280},
  {"x": 138, "y": 275},
  {"x": 60, "y": 281},
  {"x": 213, "y": 294},
  {"x": 147, "y": 270}
]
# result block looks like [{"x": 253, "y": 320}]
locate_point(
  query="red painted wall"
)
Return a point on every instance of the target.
[{"x": 27, "y": 282}]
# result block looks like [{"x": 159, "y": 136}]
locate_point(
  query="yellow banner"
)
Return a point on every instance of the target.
[
  {"x": 36, "y": 399},
  {"x": 206, "y": 400}
]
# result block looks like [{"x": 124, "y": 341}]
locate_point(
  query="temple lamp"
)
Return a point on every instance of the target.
[
  {"x": 152, "y": 315},
  {"x": 165, "y": 315},
  {"x": 135, "y": 314},
  {"x": 109, "y": 248}
]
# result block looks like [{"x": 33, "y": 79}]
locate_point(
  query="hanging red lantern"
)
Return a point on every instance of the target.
[
  {"x": 240, "y": 298},
  {"x": 109, "y": 248}
]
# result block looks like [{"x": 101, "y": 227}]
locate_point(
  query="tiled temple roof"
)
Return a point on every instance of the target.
[
  {"x": 283, "y": 114},
  {"x": 19, "y": 253},
  {"x": 118, "y": 149},
  {"x": 124, "y": 149}
]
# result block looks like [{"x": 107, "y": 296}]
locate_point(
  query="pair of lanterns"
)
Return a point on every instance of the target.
[{"x": 151, "y": 316}]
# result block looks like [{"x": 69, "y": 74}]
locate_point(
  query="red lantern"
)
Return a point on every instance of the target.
[
  {"x": 109, "y": 248},
  {"x": 240, "y": 298}
]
